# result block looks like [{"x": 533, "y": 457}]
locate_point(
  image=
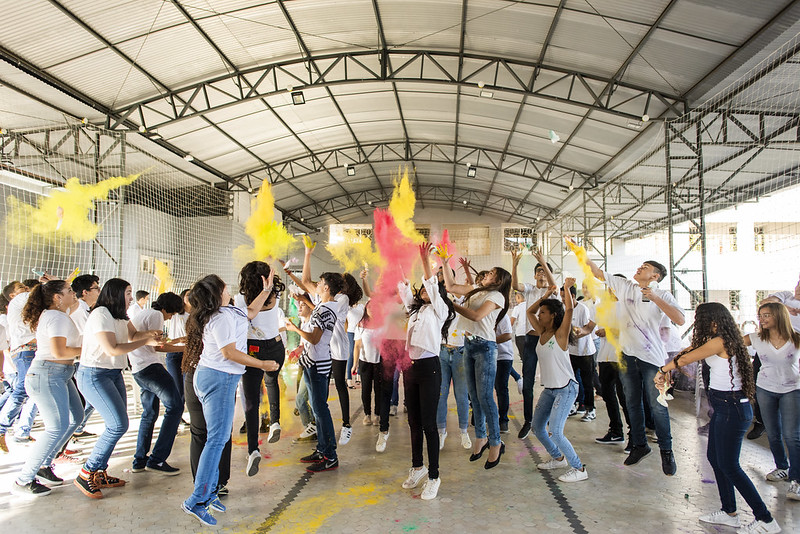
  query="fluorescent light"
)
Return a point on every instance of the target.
[
  {"x": 351, "y": 170},
  {"x": 26, "y": 183},
  {"x": 487, "y": 94},
  {"x": 298, "y": 98}
]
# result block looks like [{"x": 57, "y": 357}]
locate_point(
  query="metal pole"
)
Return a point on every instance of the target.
[
  {"x": 671, "y": 236},
  {"x": 702, "y": 194}
]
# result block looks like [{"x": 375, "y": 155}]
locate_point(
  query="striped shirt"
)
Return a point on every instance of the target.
[{"x": 319, "y": 356}]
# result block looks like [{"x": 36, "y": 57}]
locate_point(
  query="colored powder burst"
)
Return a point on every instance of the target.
[
  {"x": 402, "y": 208},
  {"x": 398, "y": 253},
  {"x": 164, "y": 277},
  {"x": 270, "y": 237},
  {"x": 445, "y": 244},
  {"x": 64, "y": 214},
  {"x": 354, "y": 252},
  {"x": 607, "y": 305}
]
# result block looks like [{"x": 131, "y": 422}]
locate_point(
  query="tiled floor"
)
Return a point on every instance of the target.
[{"x": 364, "y": 494}]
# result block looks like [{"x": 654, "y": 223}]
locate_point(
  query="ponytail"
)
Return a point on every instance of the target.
[{"x": 40, "y": 299}]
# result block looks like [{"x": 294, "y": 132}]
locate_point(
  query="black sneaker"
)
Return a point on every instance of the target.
[
  {"x": 264, "y": 428},
  {"x": 83, "y": 435},
  {"x": 164, "y": 468},
  {"x": 628, "y": 447},
  {"x": 138, "y": 467},
  {"x": 637, "y": 453},
  {"x": 222, "y": 490},
  {"x": 668, "y": 463},
  {"x": 48, "y": 477},
  {"x": 610, "y": 439},
  {"x": 86, "y": 481},
  {"x": 756, "y": 431},
  {"x": 243, "y": 430},
  {"x": 324, "y": 465},
  {"x": 525, "y": 430},
  {"x": 312, "y": 458},
  {"x": 504, "y": 427},
  {"x": 31, "y": 489}
]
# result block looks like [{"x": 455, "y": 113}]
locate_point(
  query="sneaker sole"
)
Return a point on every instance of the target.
[
  {"x": 97, "y": 495},
  {"x": 49, "y": 483},
  {"x": 138, "y": 469},
  {"x": 191, "y": 513},
  {"x": 322, "y": 470},
  {"x": 310, "y": 461},
  {"x": 252, "y": 468},
  {"x": 648, "y": 453},
  {"x": 609, "y": 442},
  {"x": 275, "y": 436},
  {"x": 165, "y": 473}
]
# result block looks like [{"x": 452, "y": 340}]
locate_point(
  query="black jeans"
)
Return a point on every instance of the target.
[
  {"x": 422, "y": 382},
  {"x": 611, "y": 389},
  {"x": 263, "y": 349},
  {"x": 338, "y": 368},
  {"x": 369, "y": 378},
  {"x": 585, "y": 364},
  {"x": 529, "y": 363},
  {"x": 197, "y": 426},
  {"x": 501, "y": 388}
]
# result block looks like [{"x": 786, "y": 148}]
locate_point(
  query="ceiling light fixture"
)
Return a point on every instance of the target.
[
  {"x": 465, "y": 202},
  {"x": 188, "y": 157},
  {"x": 635, "y": 125},
  {"x": 351, "y": 170},
  {"x": 298, "y": 98},
  {"x": 481, "y": 84},
  {"x": 471, "y": 171},
  {"x": 487, "y": 94}
]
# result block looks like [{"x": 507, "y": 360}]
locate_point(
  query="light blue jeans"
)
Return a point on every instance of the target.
[
  {"x": 480, "y": 361},
  {"x": 216, "y": 391},
  {"x": 780, "y": 413},
  {"x": 301, "y": 402},
  {"x": 50, "y": 386},
  {"x": 13, "y": 406},
  {"x": 105, "y": 390},
  {"x": 452, "y": 361},
  {"x": 553, "y": 408}
]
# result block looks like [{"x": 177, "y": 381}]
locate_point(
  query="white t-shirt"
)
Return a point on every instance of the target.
[
  {"x": 519, "y": 314},
  {"x": 780, "y": 368},
  {"x": 177, "y": 325},
  {"x": 369, "y": 341},
  {"x": 505, "y": 350},
  {"x": 324, "y": 318},
  {"x": 532, "y": 294},
  {"x": 787, "y": 298},
  {"x": 19, "y": 332},
  {"x": 134, "y": 309},
  {"x": 92, "y": 353},
  {"x": 670, "y": 336},
  {"x": 55, "y": 323},
  {"x": 266, "y": 324},
  {"x": 455, "y": 336},
  {"x": 583, "y": 346},
  {"x": 340, "y": 345},
  {"x": 354, "y": 315},
  {"x": 80, "y": 315},
  {"x": 640, "y": 334},
  {"x": 145, "y": 356},
  {"x": 554, "y": 364},
  {"x": 485, "y": 327},
  {"x": 226, "y": 326},
  {"x": 721, "y": 374}
]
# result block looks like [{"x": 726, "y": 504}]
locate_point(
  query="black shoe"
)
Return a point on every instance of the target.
[
  {"x": 83, "y": 435},
  {"x": 476, "y": 457},
  {"x": 164, "y": 468},
  {"x": 31, "y": 489},
  {"x": 264, "y": 428},
  {"x": 628, "y": 447},
  {"x": 312, "y": 458},
  {"x": 610, "y": 439},
  {"x": 488, "y": 464},
  {"x": 504, "y": 427},
  {"x": 757, "y": 430},
  {"x": 637, "y": 453},
  {"x": 525, "y": 430},
  {"x": 222, "y": 490},
  {"x": 324, "y": 465},
  {"x": 139, "y": 467},
  {"x": 668, "y": 463},
  {"x": 243, "y": 430},
  {"x": 49, "y": 478}
]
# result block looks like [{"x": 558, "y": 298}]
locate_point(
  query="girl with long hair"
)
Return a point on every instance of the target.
[
  {"x": 218, "y": 334},
  {"x": 49, "y": 382},
  {"x": 553, "y": 321},
  {"x": 778, "y": 390},
  {"x": 108, "y": 337},
  {"x": 717, "y": 340},
  {"x": 367, "y": 362},
  {"x": 261, "y": 289},
  {"x": 484, "y": 306}
]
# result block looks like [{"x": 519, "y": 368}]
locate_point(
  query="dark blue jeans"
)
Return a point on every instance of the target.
[
  {"x": 780, "y": 413},
  {"x": 501, "y": 387},
  {"x": 13, "y": 406},
  {"x": 637, "y": 381},
  {"x": 157, "y": 385},
  {"x": 351, "y": 341},
  {"x": 529, "y": 363},
  {"x": 729, "y": 423},
  {"x": 318, "y": 394},
  {"x": 173, "y": 364}
]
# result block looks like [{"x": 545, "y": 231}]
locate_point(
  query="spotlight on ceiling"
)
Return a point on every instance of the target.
[
  {"x": 188, "y": 157},
  {"x": 465, "y": 202},
  {"x": 487, "y": 94},
  {"x": 298, "y": 98},
  {"x": 471, "y": 170},
  {"x": 351, "y": 170}
]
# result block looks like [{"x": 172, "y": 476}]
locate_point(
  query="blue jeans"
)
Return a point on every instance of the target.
[
  {"x": 50, "y": 385},
  {"x": 637, "y": 381},
  {"x": 780, "y": 413},
  {"x": 501, "y": 387},
  {"x": 351, "y": 340},
  {"x": 105, "y": 390},
  {"x": 216, "y": 391},
  {"x": 514, "y": 374},
  {"x": 529, "y": 362},
  {"x": 318, "y": 395},
  {"x": 173, "y": 364},
  {"x": 553, "y": 408},
  {"x": 157, "y": 385},
  {"x": 301, "y": 402},
  {"x": 452, "y": 362},
  {"x": 480, "y": 361},
  {"x": 88, "y": 409},
  {"x": 729, "y": 423},
  {"x": 13, "y": 406}
]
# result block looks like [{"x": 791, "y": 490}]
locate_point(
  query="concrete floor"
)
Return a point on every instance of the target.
[{"x": 365, "y": 494}]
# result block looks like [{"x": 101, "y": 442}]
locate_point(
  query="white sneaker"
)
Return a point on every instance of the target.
[
  {"x": 430, "y": 489},
  {"x": 252, "y": 462},
  {"x": 573, "y": 410},
  {"x": 308, "y": 431},
  {"x": 794, "y": 491},
  {"x": 415, "y": 477},
  {"x": 382, "y": 439},
  {"x": 519, "y": 385},
  {"x": 345, "y": 435},
  {"x": 778, "y": 475},
  {"x": 720, "y": 518},
  {"x": 442, "y": 437},
  {"x": 465, "y": 441},
  {"x": 574, "y": 475},
  {"x": 376, "y": 420},
  {"x": 393, "y": 410},
  {"x": 759, "y": 527},
  {"x": 274, "y": 433},
  {"x": 590, "y": 415},
  {"x": 554, "y": 464},
  {"x": 367, "y": 420}
]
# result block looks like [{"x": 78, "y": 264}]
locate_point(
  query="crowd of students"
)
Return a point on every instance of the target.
[{"x": 68, "y": 344}]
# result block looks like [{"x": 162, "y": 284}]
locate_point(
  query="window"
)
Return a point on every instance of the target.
[
  {"x": 363, "y": 232},
  {"x": 761, "y": 294},
  {"x": 732, "y": 245},
  {"x": 514, "y": 237},
  {"x": 734, "y": 298},
  {"x": 759, "y": 239}
]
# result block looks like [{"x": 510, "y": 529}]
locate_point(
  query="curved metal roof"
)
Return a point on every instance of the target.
[{"x": 437, "y": 84}]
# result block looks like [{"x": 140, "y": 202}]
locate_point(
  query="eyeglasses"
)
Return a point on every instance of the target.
[{"x": 764, "y": 315}]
